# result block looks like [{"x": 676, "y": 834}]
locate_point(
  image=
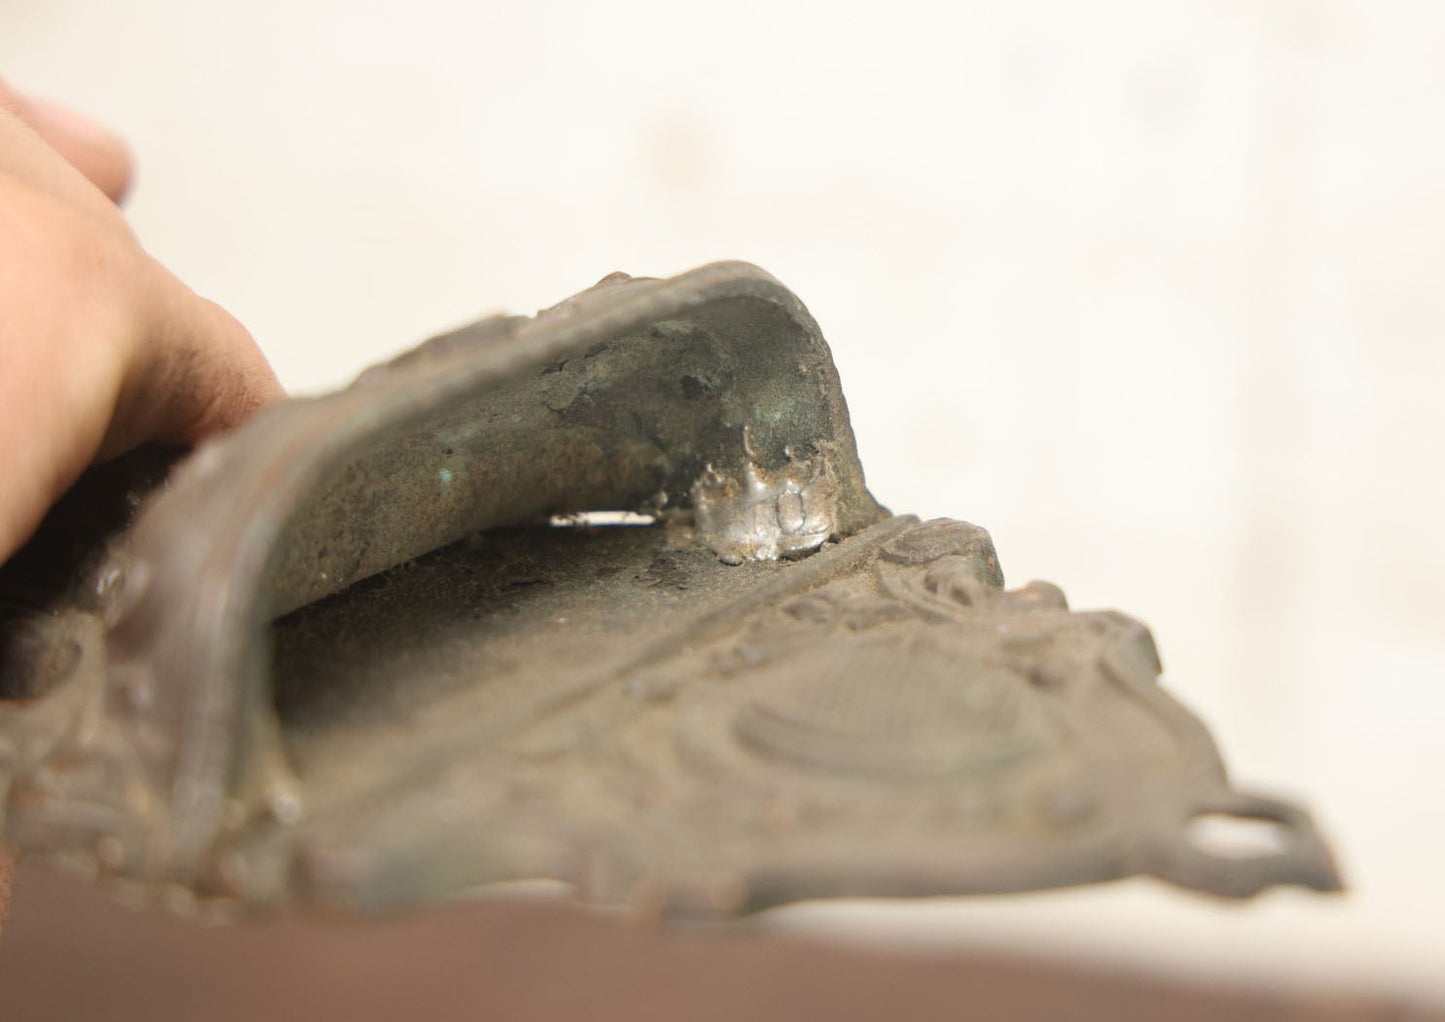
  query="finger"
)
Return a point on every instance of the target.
[
  {"x": 199, "y": 373},
  {"x": 93, "y": 150},
  {"x": 28, "y": 157},
  {"x": 67, "y": 333},
  {"x": 101, "y": 349}
]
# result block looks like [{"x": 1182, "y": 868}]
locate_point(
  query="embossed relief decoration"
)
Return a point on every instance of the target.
[{"x": 341, "y": 659}]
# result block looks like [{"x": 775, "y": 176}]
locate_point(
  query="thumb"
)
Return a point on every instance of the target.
[{"x": 200, "y": 373}]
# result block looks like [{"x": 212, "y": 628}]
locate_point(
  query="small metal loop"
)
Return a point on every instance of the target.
[{"x": 1291, "y": 852}]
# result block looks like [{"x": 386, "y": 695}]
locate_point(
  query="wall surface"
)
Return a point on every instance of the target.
[{"x": 1153, "y": 291}]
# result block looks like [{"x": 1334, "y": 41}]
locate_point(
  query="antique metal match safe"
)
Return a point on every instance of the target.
[{"x": 597, "y": 595}]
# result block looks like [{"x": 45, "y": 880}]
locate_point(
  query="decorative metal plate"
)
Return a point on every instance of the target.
[{"x": 373, "y": 649}]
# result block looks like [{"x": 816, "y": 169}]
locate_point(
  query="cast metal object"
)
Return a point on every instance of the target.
[{"x": 374, "y": 649}]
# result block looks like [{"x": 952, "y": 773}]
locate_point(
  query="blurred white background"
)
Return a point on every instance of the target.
[{"x": 1152, "y": 290}]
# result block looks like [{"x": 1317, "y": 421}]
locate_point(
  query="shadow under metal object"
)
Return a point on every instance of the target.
[{"x": 373, "y": 649}]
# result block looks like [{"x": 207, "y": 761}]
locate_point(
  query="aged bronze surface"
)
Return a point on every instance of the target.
[{"x": 374, "y": 648}]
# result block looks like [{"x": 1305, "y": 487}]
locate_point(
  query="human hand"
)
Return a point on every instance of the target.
[{"x": 101, "y": 347}]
